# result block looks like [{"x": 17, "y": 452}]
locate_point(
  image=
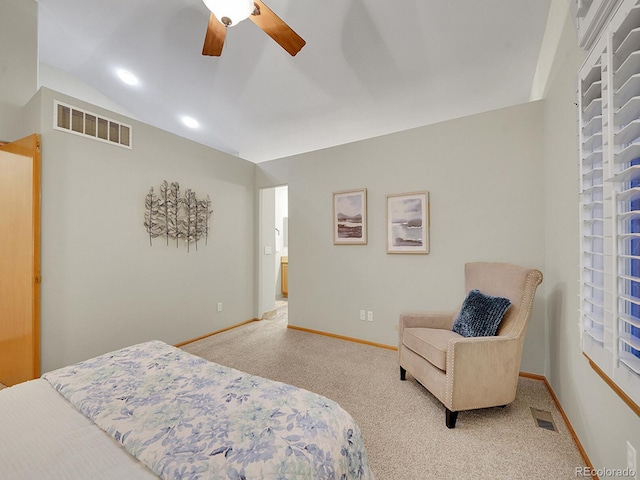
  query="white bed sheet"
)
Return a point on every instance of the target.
[{"x": 42, "y": 436}]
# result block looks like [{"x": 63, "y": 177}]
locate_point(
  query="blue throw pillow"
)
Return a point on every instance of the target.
[{"x": 480, "y": 315}]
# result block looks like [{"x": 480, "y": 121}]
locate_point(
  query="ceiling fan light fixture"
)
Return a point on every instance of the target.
[{"x": 230, "y": 12}]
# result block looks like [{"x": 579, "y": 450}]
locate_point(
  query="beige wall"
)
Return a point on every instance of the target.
[
  {"x": 485, "y": 180},
  {"x": 18, "y": 64},
  {"x": 103, "y": 286},
  {"x": 601, "y": 420}
]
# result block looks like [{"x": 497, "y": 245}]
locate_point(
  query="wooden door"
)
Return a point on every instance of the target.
[{"x": 20, "y": 260}]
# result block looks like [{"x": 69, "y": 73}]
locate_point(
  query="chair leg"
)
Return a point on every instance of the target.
[
  {"x": 451, "y": 418},
  {"x": 403, "y": 374}
]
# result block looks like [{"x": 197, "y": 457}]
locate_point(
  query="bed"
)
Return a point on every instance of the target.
[{"x": 152, "y": 410}]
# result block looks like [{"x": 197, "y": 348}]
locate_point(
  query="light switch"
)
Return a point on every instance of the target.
[{"x": 268, "y": 250}]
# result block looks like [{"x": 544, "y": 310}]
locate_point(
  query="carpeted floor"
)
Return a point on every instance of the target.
[{"x": 403, "y": 424}]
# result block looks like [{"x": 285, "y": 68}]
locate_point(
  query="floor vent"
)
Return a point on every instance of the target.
[
  {"x": 543, "y": 419},
  {"x": 80, "y": 122}
]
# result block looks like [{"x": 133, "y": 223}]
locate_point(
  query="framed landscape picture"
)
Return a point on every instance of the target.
[
  {"x": 408, "y": 223},
  {"x": 350, "y": 217}
]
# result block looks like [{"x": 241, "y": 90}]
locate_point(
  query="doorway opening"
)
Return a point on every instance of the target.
[{"x": 273, "y": 254}]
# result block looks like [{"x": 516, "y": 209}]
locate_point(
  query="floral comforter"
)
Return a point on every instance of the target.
[{"x": 187, "y": 418}]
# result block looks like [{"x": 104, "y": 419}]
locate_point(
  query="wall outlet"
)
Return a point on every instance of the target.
[
  {"x": 362, "y": 315},
  {"x": 370, "y": 316},
  {"x": 219, "y": 306},
  {"x": 631, "y": 458}
]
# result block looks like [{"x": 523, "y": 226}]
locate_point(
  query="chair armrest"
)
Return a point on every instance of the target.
[
  {"x": 427, "y": 320},
  {"x": 442, "y": 320},
  {"x": 482, "y": 371}
]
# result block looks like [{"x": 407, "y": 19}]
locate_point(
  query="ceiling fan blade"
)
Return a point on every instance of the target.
[
  {"x": 214, "y": 40},
  {"x": 277, "y": 29}
]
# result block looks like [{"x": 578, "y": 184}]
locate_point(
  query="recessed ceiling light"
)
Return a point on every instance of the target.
[
  {"x": 190, "y": 122},
  {"x": 127, "y": 77}
]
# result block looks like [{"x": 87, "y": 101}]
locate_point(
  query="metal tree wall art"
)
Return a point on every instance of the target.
[{"x": 180, "y": 218}]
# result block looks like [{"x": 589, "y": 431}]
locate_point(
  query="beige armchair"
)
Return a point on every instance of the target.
[{"x": 467, "y": 373}]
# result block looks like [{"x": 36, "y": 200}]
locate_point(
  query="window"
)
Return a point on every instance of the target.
[
  {"x": 609, "y": 114},
  {"x": 629, "y": 266}
]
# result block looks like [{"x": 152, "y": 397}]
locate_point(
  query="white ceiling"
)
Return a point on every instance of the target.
[{"x": 369, "y": 67}]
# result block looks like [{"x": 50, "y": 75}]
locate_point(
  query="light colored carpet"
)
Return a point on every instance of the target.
[{"x": 403, "y": 424}]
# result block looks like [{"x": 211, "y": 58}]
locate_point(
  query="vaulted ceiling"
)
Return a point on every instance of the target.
[{"x": 368, "y": 68}]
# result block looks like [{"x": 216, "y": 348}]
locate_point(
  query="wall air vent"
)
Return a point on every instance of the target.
[{"x": 80, "y": 122}]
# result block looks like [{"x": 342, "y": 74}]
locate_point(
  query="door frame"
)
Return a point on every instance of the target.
[
  {"x": 267, "y": 267},
  {"x": 29, "y": 149}
]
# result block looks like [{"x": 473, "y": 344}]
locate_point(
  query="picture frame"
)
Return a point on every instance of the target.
[
  {"x": 350, "y": 217},
  {"x": 408, "y": 222}
]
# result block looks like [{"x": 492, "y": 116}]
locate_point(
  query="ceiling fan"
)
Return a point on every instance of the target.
[{"x": 226, "y": 13}]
